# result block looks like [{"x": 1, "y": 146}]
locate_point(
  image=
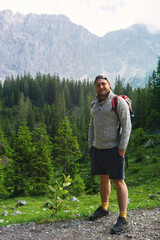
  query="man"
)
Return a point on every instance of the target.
[{"x": 108, "y": 139}]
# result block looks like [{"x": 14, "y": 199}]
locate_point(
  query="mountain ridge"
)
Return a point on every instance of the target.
[{"x": 53, "y": 44}]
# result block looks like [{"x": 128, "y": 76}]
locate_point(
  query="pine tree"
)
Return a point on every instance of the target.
[
  {"x": 149, "y": 102},
  {"x": 157, "y": 87},
  {"x": 22, "y": 116},
  {"x": 66, "y": 93},
  {"x": 118, "y": 89},
  {"x": 6, "y": 164},
  {"x": 1, "y": 105},
  {"x": 128, "y": 91},
  {"x": 58, "y": 113},
  {"x": 139, "y": 108},
  {"x": 47, "y": 116},
  {"x": 42, "y": 166},
  {"x": 65, "y": 148},
  {"x": 152, "y": 98},
  {"x": 23, "y": 153},
  {"x": 30, "y": 115}
]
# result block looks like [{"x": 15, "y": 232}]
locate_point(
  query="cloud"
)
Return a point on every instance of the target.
[
  {"x": 98, "y": 16},
  {"x": 144, "y": 12}
]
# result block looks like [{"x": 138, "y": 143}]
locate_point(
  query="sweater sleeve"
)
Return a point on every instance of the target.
[
  {"x": 91, "y": 133},
  {"x": 125, "y": 123}
]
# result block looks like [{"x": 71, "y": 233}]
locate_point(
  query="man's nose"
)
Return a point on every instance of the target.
[{"x": 101, "y": 86}]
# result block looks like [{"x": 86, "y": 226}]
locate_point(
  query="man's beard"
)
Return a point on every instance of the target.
[{"x": 103, "y": 96}]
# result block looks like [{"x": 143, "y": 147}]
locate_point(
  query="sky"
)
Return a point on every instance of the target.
[{"x": 98, "y": 16}]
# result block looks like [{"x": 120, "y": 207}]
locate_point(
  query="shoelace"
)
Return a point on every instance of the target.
[
  {"x": 98, "y": 210},
  {"x": 119, "y": 221}
]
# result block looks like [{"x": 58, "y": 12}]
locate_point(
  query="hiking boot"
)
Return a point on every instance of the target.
[
  {"x": 120, "y": 225},
  {"x": 100, "y": 212}
]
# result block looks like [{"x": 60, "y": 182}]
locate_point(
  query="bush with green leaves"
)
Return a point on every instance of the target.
[
  {"x": 57, "y": 193},
  {"x": 140, "y": 153},
  {"x": 92, "y": 184},
  {"x": 78, "y": 186},
  {"x": 1, "y": 177},
  {"x": 140, "y": 137}
]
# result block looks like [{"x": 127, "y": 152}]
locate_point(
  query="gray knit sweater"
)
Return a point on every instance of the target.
[{"x": 105, "y": 124}]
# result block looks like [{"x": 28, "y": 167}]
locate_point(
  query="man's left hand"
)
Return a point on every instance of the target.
[{"x": 121, "y": 152}]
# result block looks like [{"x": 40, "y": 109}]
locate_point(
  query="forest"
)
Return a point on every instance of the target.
[{"x": 44, "y": 129}]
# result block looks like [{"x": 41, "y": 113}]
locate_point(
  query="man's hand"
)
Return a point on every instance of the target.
[{"x": 121, "y": 152}]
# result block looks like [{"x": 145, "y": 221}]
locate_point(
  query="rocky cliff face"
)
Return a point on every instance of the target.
[{"x": 53, "y": 44}]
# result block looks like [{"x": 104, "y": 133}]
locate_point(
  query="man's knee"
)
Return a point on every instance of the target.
[
  {"x": 104, "y": 178},
  {"x": 119, "y": 182}
]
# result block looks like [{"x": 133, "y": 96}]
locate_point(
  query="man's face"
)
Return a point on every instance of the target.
[{"x": 102, "y": 87}]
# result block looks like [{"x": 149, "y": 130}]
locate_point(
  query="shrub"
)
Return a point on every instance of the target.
[
  {"x": 140, "y": 137},
  {"x": 92, "y": 184},
  {"x": 57, "y": 193},
  {"x": 78, "y": 186},
  {"x": 140, "y": 154}
]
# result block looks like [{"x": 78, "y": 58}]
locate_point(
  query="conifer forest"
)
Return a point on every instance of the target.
[{"x": 44, "y": 129}]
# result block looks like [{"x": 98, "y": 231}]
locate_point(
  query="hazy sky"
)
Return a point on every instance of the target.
[{"x": 98, "y": 16}]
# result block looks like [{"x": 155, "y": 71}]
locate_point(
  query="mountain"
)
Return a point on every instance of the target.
[{"x": 53, "y": 44}]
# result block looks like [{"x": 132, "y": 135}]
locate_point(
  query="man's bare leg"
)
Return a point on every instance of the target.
[
  {"x": 105, "y": 190},
  {"x": 122, "y": 196}
]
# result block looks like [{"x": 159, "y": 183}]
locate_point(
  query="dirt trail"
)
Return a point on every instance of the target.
[{"x": 144, "y": 225}]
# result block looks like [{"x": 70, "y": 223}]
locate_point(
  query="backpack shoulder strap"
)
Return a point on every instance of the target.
[
  {"x": 114, "y": 103},
  {"x": 124, "y": 96},
  {"x": 114, "y": 107}
]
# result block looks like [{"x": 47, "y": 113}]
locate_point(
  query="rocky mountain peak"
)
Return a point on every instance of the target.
[{"x": 53, "y": 44}]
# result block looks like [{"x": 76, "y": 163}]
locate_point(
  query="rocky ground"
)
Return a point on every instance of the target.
[{"x": 144, "y": 224}]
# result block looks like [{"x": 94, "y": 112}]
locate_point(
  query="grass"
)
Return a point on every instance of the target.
[
  {"x": 34, "y": 210},
  {"x": 142, "y": 178}
]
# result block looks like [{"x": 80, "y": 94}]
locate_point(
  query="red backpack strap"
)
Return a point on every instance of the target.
[
  {"x": 128, "y": 101},
  {"x": 114, "y": 103},
  {"x": 124, "y": 96}
]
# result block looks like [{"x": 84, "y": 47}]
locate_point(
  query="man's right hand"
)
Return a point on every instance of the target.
[{"x": 121, "y": 152}]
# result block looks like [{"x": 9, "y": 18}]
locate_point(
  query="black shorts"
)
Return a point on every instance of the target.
[{"x": 107, "y": 162}]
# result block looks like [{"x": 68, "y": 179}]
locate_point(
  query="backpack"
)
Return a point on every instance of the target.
[
  {"x": 128, "y": 101},
  {"x": 114, "y": 107}
]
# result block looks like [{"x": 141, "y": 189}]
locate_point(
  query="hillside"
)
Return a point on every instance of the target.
[
  {"x": 142, "y": 179},
  {"x": 53, "y": 44}
]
